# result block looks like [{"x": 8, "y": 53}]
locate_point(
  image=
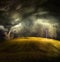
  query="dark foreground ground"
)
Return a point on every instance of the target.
[{"x": 30, "y": 49}]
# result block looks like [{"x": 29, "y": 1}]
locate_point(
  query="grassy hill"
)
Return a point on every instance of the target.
[{"x": 31, "y": 49}]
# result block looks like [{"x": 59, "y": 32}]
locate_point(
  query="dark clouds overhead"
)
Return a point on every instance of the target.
[{"x": 25, "y": 13}]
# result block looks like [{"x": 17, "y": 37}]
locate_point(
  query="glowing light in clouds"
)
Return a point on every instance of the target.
[
  {"x": 46, "y": 25},
  {"x": 16, "y": 28},
  {"x": 3, "y": 28},
  {"x": 44, "y": 22},
  {"x": 15, "y": 18}
]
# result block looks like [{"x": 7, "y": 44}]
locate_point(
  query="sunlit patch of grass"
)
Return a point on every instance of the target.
[{"x": 33, "y": 47}]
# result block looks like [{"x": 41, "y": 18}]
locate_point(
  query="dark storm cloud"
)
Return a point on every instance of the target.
[{"x": 28, "y": 12}]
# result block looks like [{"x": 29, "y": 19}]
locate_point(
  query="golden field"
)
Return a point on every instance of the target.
[{"x": 29, "y": 49}]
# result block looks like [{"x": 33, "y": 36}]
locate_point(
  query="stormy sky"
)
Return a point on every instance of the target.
[{"x": 26, "y": 18}]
